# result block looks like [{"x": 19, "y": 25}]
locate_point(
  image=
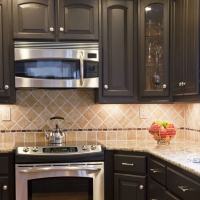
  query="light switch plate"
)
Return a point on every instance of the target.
[
  {"x": 143, "y": 112},
  {"x": 6, "y": 114}
]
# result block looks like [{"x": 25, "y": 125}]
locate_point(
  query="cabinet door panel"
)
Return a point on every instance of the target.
[
  {"x": 34, "y": 19},
  {"x": 4, "y": 194},
  {"x": 155, "y": 190},
  {"x": 78, "y": 19},
  {"x": 154, "y": 49},
  {"x": 118, "y": 48},
  {"x": 192, "y": 47},
  {"x": 5, "y": 74},
  {"x": 128, "y": 187}
]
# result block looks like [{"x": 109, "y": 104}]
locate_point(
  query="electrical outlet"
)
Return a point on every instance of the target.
[
  {"x": 143, "y": 112},
  {"x": 6, "y": 114}
]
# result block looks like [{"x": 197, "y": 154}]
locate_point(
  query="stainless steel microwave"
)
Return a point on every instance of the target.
[{"x": 56, "y": 65}]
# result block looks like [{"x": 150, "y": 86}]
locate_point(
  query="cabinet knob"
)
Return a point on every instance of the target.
[
  {"x": 106, "y": 87},
  {"x": 61, "y": 29},
  {"x": 51, "y": 29},
  {"x": 184, "y": 83},
  {"x": 5, "y": 187},
  {"x": 164, "y": 86},
  {"x": 6, "y": 87},
  {"x": 141, "y": 187}
]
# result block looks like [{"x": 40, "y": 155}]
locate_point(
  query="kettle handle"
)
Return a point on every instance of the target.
[{"x": 57, "y": 117}]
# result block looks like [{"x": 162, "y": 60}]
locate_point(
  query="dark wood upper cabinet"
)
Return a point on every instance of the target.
[
  {"x": 118, "y": 52},
  {"x": 33, "y": 19},
  {"x": 154, "y": 38},
  {"x": 56, "y": 19},
  {"x": 7, "y": 90},
  {"x": 78, "y": 19},
  {"x": 185, "y": 58}
]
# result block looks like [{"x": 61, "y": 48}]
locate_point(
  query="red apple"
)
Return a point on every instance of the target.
[
  {"x": 163, "y": 133},
  {"x": 172, "y": 132},
  {"x": 154, "y": 128},
  {"x": 170, "y": 127}
]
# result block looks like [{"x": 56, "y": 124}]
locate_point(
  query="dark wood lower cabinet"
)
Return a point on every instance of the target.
[
  {"x": 128, "y": 187},
  {"x": 155, "y": 190},
  {"x": 7, "y": 177},
  {"x": 4, "y": 195}
]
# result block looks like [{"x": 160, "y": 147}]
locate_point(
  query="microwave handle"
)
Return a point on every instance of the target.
[{"x": 81, "y": 68}]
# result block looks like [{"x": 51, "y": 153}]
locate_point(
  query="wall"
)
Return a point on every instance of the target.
[{"x": 85, "y": 120}]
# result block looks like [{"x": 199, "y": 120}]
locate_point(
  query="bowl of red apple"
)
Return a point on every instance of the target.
[{"x": 162, "y": 131}]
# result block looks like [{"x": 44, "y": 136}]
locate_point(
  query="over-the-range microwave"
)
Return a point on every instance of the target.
[{"x": 56, "y": 65}]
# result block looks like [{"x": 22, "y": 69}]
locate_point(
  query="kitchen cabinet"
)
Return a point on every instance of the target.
[
  {"x": 7, "y": 179},
  {"x": 153, "y": 63},
  {"x": 56, "y": 20},
  {"x": 118, "y": 52},
  {"x": 171, "y": 182},
  {"x": 129, "y": 177},
  {"x": 185, "y": 55},
  {"x": 7, "y": 89}
]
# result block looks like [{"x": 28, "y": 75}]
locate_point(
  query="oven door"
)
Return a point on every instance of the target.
[{"x": 71, "y": 181}]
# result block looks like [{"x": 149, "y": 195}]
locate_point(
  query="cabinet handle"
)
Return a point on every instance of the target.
[
  {"x": 6, "y": 87},
  {"x": 154, "y": 170},
  {"x": 164, "y": 86},
  {"x": 106, "y": 87},
  {"x": 141, "y": 187},
  {"x": 5, "y": 187},
  {"x": 129, "y": 164},
  {"x": 61, "y": 29},
  {"x": 182, "y": 84},
  {"x": 51, "y": 29},
  {"x": 183, "y": 188}
]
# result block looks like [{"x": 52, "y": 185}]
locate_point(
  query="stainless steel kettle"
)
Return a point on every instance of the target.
[{"x": 56, "y": 136}]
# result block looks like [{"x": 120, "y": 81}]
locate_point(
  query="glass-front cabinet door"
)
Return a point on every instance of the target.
[{"x": 154, "y": 49}]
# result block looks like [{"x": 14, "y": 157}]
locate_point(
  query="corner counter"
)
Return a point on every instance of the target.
[{"x": 178, "y": 152}]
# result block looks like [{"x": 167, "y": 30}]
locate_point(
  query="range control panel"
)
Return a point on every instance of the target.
[{"x": 58, "y": 150}]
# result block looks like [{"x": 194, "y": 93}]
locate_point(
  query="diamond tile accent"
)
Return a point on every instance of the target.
[{"x": 35, "y": 107}]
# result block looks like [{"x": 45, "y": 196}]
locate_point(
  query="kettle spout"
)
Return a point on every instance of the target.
[{"x": 47, "y": 135}]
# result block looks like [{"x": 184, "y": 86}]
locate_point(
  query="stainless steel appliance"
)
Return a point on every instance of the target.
[
  {"x": 59, "y": 172},
  {"x": 56, "y": 65},
  {"x": 56, "y": 136}
]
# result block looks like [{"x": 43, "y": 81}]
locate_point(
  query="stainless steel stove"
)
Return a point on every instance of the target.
[{"x": 48, "y": 172}]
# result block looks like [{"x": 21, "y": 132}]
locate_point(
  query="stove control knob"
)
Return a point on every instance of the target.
[
  {"x": 25, "y": 149},
  {"x": 93, "y": 147},
  {"x": 84, "y": 148},
  {"x": 35, "y": 149}
]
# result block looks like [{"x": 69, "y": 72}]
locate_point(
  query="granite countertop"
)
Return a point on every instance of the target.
[{"x": 178, "y": 152}]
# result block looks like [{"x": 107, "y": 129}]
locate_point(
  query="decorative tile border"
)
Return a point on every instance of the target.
[{"x": 99, "y": 129}]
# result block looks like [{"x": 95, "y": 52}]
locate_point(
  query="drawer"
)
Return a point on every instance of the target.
[
  {"x": 3, "y": 165},
  {"x": 155, "y": 190},
  {"x": 130, "y": 164},
  {"x": 182, "y": 186},
  {"x": 157, "y": 171}
]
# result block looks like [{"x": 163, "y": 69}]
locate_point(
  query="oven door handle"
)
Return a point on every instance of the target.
[{"x": 47, "y": 169}]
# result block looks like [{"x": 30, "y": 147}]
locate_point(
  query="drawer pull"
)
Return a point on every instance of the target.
[
  {"x": 129, "y": 164},
  {"x": 183, "y": 188},
  {"x": 154, "y": 170}
]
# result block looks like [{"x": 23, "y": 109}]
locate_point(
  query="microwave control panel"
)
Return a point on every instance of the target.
[{"x": 91, "y": 69}]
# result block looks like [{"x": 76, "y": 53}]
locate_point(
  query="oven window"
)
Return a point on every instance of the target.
[
  {"x": 48, "y": 69},
  {"x": 61, "y": 188}
]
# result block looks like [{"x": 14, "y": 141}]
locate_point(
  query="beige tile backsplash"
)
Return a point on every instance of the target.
[{"x": 85, "y": 120}]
